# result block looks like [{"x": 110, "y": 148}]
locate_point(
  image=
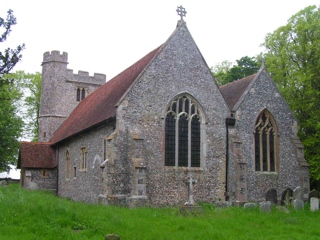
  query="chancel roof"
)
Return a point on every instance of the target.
[
  {"x": 100, "y": 106},
  {"x": 233, "y": 91},
  {"x": 36, "y": 155}
]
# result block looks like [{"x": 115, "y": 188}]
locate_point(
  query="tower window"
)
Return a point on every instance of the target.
[{"x": 81, "y": 94}]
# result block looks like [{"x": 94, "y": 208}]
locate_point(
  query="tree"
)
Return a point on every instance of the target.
[
  {"x": 10, "y": 57},
  {"x": 293, "y": 59},
  {"x": 10, "y": 124},
  {"x": 29, "y": 104},
  {"x": 224, "y": 73}
]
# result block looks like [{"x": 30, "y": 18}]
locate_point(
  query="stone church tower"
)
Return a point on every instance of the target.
[{"x": 61, "y": 91}]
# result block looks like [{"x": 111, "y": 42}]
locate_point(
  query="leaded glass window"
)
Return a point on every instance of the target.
[
  {"x": 78, "y": 94},
  {"x": 183, "y": 133},
  {"x": 265, "y": 139},
  {"x": 83, "y": 93}
]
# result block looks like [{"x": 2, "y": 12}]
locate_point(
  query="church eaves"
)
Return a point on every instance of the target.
[{"x": 100, "y": 105}]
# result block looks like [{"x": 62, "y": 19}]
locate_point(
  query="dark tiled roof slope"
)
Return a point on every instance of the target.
[
  {"x": 233, "y": 91},
  {"x": 36, "y": 155},
  {"x": 100, "y": 105}
]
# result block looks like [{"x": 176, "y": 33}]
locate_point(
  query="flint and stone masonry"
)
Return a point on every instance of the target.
[{"x": 110, "y": 145}]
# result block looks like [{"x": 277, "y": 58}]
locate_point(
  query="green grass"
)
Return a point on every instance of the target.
[{"x": 40, "y": 215}]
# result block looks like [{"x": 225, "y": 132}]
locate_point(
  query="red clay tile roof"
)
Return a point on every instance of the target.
[
  {"x": 233, "y": 91},
  {"x": 36, "y": 155},
  {"x": 100, "y": 105}
]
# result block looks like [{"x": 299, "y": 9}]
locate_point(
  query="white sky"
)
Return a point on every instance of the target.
[{"x": 107, "y": 36}]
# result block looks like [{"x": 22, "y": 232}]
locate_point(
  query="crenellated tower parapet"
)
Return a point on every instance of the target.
[
  {"x": 55, "y": 56},
  {"x": 61, "y": 92},
  {"x": 85, "y": 78}
]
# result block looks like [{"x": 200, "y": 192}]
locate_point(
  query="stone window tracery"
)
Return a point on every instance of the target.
[
  {"x": 183, "y": 133},
  {"x": 266, "y": 144}
]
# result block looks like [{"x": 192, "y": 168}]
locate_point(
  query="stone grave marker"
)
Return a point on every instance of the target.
[
  {"x": 297, "y": 195},
  {"x": 190, "y": 206},
  {"x": 112, "y": 237},
  {"x": 249, "y": 205},
  {"x": 282, "y": 209},
  {"x": 314, "y": 204},
  {"x": 265, "y": 206},
  {"x": 271, "y": 196}
]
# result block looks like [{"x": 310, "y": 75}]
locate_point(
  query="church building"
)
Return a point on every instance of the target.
[{"x": 137, "y": 139}]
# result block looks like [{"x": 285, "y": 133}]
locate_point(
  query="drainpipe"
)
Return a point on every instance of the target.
[{"x": 231, "y": 121}]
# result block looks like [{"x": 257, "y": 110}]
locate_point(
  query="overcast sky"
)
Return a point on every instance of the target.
[{"x": 105, "y": 36}]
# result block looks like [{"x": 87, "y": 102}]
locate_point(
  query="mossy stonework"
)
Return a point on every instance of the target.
[{"x": 113, "y": 146}]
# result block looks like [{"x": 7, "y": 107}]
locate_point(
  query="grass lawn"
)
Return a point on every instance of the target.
[{"x": 41, "y": 215}]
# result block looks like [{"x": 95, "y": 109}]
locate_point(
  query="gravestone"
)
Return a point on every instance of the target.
[
  {"x": 112, "y": 237},
  {"x": 314, "y": 204},
  {"x": 265, "y": 206},
  {"x": 282, "y": 209},
  {"x": 271, "y": 196},
  {"x": 297, "y": 195},
  {"x": 190, "y": 206},
  {"x": 286, "y": 198},
  {"x": 190, "y": 183},
  {"x": 250, "y": 205}
]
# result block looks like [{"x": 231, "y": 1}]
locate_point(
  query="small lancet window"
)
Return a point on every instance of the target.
[
  {"x": 183, "y": 133},
  {"x": 83, "y": 163},
  {"x": 78, "y": 94},
  {"x": 266, "y": 144},
  {"x": 83, "y": 93}
]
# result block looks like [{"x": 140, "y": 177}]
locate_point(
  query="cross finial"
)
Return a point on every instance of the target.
[{"x": 181, "y": 11}]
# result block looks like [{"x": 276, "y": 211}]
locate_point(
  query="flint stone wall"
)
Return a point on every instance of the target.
[
  {"x": 86, "y": 186},
  {"x": 179, "y": 68},
  {"x": 265, "y": 95},
  {"x": 34, "y": 180}
]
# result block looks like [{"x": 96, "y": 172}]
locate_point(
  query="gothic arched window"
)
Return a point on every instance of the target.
[
  {"x": 266, "y": 143},
  {"x": 183, "y": 133}
]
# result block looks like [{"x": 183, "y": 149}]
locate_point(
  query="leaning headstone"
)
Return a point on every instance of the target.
[
  {"x": 265, "y": 206},
  {"x": 250, "y": 205},
  {"x": 271, "y": 196},
  {"x": 112, "y": 237},
  {"x": 282, "y": 209},
  {"x": 297, "y": 195},
  {"x": 314, "y": 204}
]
